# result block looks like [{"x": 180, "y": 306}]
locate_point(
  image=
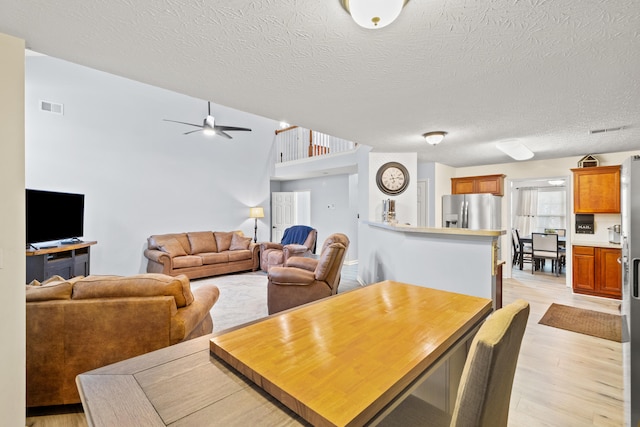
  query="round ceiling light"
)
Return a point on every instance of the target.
[
  {"x": 434, "y": 138},
  {"x": 373, "y": 14}
]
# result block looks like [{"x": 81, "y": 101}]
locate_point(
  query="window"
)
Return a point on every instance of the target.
[{"x": 552, "y": 208}]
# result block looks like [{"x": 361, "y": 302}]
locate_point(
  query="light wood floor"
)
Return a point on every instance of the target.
[{"x": 563, "y": 378}]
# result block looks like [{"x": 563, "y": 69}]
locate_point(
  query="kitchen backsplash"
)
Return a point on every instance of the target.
[{"x": 602, "y": 222}]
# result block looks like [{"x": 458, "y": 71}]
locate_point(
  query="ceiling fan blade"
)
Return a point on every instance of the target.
[
  {"x": 221, "y": 133},
  {"x": 184, "y": 123},
  {"x": 192, "y": 131},
  {"x": 228, "y": 128}
]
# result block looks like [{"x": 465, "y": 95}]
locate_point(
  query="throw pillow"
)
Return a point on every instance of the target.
[
  {"x": 202, "y": 242},
  {"x": 223, "y": 240},
  {"x": 172, "y": 247},
  {"x": 239, "y": 242}
]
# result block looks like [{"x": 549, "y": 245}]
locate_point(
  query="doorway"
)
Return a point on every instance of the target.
[
  {"x": 287, "y": 209},
  {"x": 535, "y": 206}
]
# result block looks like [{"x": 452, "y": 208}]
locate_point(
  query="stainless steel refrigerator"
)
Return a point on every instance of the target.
[
  {"x": 630, "y": 231},
  {"x": 472, "y": 211}
]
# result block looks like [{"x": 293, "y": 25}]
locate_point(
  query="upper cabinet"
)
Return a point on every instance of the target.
[
  {"x": 493, "y": 184},
  {"x": 596, "y": 189}
]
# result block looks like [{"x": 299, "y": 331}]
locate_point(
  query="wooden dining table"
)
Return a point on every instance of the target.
[
  {"x": 344, "y": 360},
  {"x": 562, "y": 242}
]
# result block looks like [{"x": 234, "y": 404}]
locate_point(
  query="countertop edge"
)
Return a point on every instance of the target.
[{"x": 439, "y": 230}]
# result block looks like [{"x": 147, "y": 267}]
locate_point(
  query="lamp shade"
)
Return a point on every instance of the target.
[
  {"x": 374, "y": 14},
  {"x": 256, "y": 212}
]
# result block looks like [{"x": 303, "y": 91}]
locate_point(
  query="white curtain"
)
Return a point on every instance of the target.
[{"x": 526, "y": 210}]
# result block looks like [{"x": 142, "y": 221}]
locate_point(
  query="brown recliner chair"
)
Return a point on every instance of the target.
[
  {"x": 276, "y": 254},
  {"x": 302, "y": 280}
]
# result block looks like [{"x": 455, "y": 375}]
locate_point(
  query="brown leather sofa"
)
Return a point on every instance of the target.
[
  {"x": 201, "y": 254},
  {"x": 274, "y": 254},
  {"x": 302, "y": 280},
  {"x": 84, "y": 323}
]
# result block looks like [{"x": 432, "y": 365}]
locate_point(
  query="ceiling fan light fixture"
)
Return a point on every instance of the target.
[
  {"x": 515, "y": 149},
  {"x": 434, "y": 138},
  {"x": 373, "y": 14}
]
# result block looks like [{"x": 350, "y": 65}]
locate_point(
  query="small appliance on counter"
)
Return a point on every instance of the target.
[
  {"x": 614, "y": 234},
  {"x": 389, "y": 211}
]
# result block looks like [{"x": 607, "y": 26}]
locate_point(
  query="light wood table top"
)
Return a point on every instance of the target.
[
  {"x": 360, "y": 348},
  {"x": 341, "y": 360}
]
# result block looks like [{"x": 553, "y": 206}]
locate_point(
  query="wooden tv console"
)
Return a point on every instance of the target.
[{"x": 64, "y": 260}]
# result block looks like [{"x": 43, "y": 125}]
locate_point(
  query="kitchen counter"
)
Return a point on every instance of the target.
[
  {"x": 438, "y": 230},
  {"x": 609, "y": 245},
  {"x": 451, "y": 259}
]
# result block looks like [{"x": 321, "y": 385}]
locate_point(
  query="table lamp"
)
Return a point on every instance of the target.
[{"x": 256, "y": 213}]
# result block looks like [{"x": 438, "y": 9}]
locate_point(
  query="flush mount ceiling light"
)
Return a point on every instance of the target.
[
  {"x": 374, "y": 14},
  {"x": 514, "y": 149},
  {"x": 556, "y": 181},
  {"x": 434, "y": 138}
]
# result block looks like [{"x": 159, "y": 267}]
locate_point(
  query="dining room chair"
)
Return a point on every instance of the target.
[
  {"x": 487, "y": 378},
  {"x": 545, "y": 246},
  {"x": 526, "y": 251}
]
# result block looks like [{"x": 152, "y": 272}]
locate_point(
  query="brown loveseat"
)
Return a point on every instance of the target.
[
  {"x": 201, "y": 254},
  {"x": 80, "y": 324}
]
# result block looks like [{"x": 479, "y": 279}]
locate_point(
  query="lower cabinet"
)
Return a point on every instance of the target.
[{"x": 597, "y": 271}]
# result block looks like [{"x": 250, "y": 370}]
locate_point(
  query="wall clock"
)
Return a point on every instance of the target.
[{"x": 392, "y": 178}]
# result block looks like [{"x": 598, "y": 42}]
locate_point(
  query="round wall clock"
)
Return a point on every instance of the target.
[{"x": 392, "y": 178}]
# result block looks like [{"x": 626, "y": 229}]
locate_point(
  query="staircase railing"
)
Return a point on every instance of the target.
[{"x": 295, "y": 143}]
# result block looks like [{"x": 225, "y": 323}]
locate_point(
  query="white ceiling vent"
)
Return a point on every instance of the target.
[{"x": 51, "y": 107}]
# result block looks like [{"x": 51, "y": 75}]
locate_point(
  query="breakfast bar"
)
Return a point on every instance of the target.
[{"x": 451, "y": 259}]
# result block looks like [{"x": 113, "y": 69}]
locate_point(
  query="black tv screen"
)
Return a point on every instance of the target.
[{"x": 53, "y": 216}]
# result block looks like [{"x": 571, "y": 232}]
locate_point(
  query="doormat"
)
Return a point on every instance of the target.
[{"x": 588, "y": 322}]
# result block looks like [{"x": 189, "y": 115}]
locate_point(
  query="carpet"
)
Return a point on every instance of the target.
[
  {"x": 588, "y": 322},
  {"x": 243, "y": 296}
]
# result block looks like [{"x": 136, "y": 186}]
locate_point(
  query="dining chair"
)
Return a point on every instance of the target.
[
  {"x": 545, "y": 246},
  {"x": 487, "y": 378},
  {"x": 526, "y": 251}
]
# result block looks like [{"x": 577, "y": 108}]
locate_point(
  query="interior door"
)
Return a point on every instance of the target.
[{"x": 283, "y": 213}]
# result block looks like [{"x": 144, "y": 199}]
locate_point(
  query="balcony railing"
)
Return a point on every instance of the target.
[{"x": 295, "y": 143}]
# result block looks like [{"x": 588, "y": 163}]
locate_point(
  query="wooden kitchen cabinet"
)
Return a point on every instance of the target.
[
  {"x": 596, "y": 189},
  {"x": 596, "y": 271},
  {"x": 493, "y": 184}
]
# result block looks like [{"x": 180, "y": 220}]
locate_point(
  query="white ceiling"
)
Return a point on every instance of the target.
[{"x": 545, "y": 72}]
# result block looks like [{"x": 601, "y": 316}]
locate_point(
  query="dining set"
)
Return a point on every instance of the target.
[{"x": 536, "y": 248}]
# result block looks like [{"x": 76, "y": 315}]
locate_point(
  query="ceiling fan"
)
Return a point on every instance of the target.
[{"x": 208, "y": 126}]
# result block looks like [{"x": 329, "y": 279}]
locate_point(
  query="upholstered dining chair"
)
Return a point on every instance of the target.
[
  {"x": 297, "y": 240},
  {"x": 302, "y": 280},
  {"x": 487, "y": 378},
  {"x": 545, "y": 246}
]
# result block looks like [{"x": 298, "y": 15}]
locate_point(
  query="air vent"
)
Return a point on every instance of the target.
[
  {"x": 607, "y": 130},
  {"x": 51, "y": 107}
]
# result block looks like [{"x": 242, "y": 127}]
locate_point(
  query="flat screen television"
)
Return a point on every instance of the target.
[{"x": 52, "y": 216}]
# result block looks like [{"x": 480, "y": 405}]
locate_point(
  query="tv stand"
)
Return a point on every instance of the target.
[{"x": 66, "y": 261}]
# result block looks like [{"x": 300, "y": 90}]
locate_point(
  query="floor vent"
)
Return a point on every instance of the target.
[{"x": 51, "y": 107}]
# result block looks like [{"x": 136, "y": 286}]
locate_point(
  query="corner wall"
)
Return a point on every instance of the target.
[{"x": 12, "y": 232}]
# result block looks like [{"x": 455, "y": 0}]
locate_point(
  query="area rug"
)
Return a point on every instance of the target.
[{"x": 588, "y": 322}]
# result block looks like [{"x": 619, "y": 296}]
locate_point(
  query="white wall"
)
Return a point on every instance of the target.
[
  {"x": 427, "y": 172},
  {"x": 332, "y": 207},
  {"x": 12, "y": 232},
  {"x": 139, "y": 174},
  {"x": 406, "y": 203}
]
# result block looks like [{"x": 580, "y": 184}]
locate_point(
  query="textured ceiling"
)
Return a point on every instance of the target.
[{"x": 545, "y": 72}]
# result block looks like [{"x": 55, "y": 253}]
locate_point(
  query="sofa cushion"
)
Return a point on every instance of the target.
[
  {"x": 141, "y": 285},
  {"x": 155, "y": 241},
  {"x": 240, "y": 255},
  {"x": 215, "y": 258},
  {"x": 223, "y": 240},
  {"x": 187, "y": 261},
  {"x": 52, "y": 291},
  {"x": 172, "y": 247},
  {"x": 239, "y": 242},
  {"x": 202, "y": 241}
]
